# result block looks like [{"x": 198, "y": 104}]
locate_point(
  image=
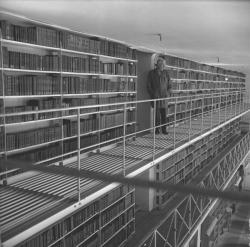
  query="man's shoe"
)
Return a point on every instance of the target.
[
  {"x": 164, "y": 132},
  {"x": 157, "y": 131}
]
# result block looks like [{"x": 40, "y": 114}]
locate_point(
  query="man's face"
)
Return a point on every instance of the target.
[{"x": 160, "y": 64}]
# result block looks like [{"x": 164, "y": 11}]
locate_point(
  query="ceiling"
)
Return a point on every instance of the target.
[{"x": 199, "y": 30}]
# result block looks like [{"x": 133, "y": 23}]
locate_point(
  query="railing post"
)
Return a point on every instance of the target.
[
  {"x": 99, "y": 128},
  {"x": 124, "y": 138},
  {"x": 242, "y": 101},
  {"x": 239, "y": 98},
  {"x": 231, "y": 107},
  {"x": 219, "y": 107},
  {"x": 175, "y": 227},
  {"x": 190, "y": 117},
  {"x": 225, "y": 115},
  {"x": 78, "y": 152},
  {"x": 235, "y": 113},
  {"x": 247, "y": 100},
  {"x": 155, "y": 238},
  {"x": 211, "y": 119},
  {"x": 175, "y": 112},
  {"x": 154, "y": 129},
  {"x": 202, "y": 113}
]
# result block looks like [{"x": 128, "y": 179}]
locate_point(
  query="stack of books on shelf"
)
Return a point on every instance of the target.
[
  {"x": 31, "y": 85},
  {"x": 183, "y": 166}
]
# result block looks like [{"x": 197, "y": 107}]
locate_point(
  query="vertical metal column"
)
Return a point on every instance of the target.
[
  {"x": 198, "y": 244},
  {"x": 239, "y": 98},
  {"x": 98, "y": 109},
  {"x": 154, "y": 116},
  {"x": 202, "y": 113},
  {"x": 61, "y": 102},
  {"x": 175, "y": 227},
  {"x": 155, "y": 238},
  {"x": 4, "y": 110},
  {"x": 245, "y": 101},
  {"x": 231, "y": 104},
  {"x": 211, "y": 119},
  {"x": 124, "y": 138},
  {"x": 78, "y": 152},
  {"x": 190, "y": 117},
  {"x": 220, "y": 107},
  {"x": 242, "y": 101},
  {"x": 99, "y": 126},
  {"x": 0, "y": 237},
  {"x": 235, "y": 113},
  {"x": 247, "y": 106},
  {"x": 175, "y": 111},
  {"x": 225, "y": 114}
]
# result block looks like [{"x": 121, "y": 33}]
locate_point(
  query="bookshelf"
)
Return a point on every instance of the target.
[
  {"x": 190, "y": 78},
  {"x": 51, "y": 77},
  {"x": 64, "y": 222},
  {"x": 46, "y": 71},
  {"x": 202, "y": 88},
  {"x": 183, "y": 166}
]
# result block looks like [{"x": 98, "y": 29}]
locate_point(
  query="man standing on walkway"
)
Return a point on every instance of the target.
[{"x": 159, "y": 86}]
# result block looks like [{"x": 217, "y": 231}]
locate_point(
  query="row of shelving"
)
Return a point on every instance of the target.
[
  {"x": 104, "y": 126},
  {"x": 104, "y": 219},
  {"x": 224, "y": 81},
  {"x": 198, "y": 91},
  {"x": 38, "y": 138},
  {"x": 83, "y": 95},
  {"x": 181, "y": 70},
  {"x": 192, "y": 107},
  {"x": 104, "y": 122},
  {"x": 192, "y": 85},
  {"x": 79, "y": 70},
  {"x": 43, "y": 106},
  {"x": 63, "y": 73},
  {"x": 91, "y": 64},
  {"x": 58, "y": 38},
  {"x": 43, "y": 69},
  {"x": 184, "y": 165},
  {"x": 24, "y": 45},
  {"x": 54, "y": 107},
  {"x": 55, "y": 150},
  {"x": 199, "y": 70},
  {"x": 65, "y": 63},
  {"x": 32, "y": 85},
  {"x": 218, "y": 175}
]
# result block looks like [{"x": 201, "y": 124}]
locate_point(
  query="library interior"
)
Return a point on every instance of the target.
[{"x": 124, "y": 123}]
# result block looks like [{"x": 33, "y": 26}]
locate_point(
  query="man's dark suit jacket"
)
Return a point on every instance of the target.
[{"x": 158, "y": 86}]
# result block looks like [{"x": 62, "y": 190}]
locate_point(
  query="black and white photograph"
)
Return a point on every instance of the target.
[{"x": 124, "y": 123}]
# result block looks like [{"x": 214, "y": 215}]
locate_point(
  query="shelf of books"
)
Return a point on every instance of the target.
[
  {"x": 174, "y": 221},
  {"x": 183, "y": 166},
  {"x": 66, "y": 98},
  {"x": 106, "y": 221},
  {"x": 46, "y": 72},
  {"x": 51, "y": 77},
  {"x": 219, "y": 86}
]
